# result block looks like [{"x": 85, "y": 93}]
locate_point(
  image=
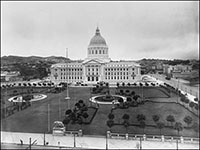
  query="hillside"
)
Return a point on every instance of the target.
[{"x": 7, "y": 60}]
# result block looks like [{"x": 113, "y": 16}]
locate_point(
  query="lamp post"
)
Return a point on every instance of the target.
[
  {"x": 74, "y": 140},
  {"x": 140, "y": 143},
  {"x": 106, "y": 142}
]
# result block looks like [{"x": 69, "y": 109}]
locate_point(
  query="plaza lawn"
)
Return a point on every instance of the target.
[{"x": 34, "y": 118}]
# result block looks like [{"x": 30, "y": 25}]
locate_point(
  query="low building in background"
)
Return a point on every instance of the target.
[{"x": 10, "y": 76}]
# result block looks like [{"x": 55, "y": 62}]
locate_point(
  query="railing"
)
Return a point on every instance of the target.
[
  {"x": 152, "y": 137},
  {"x": 75, "y": 132}
]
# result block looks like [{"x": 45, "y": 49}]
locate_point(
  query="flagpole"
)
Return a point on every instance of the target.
[{"x": 67, "y": 98}]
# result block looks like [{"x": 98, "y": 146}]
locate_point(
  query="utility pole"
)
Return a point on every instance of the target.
[
  {"x": 74, "y": 140},
  {"x": 44, "y": 139},
  {"x": 177, "y": 144},
  {"x": 106, "y": 142},
  {"x": 48, "y": 113},
  {"x": 140, "y": 143},
  {"x": 30, "y": 143}
]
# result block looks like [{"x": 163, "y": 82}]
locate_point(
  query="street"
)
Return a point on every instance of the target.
[{"x": 178, "y": 83}]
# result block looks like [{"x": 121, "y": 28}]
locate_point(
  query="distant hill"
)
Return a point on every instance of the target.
[{"x": 6, "y": 60}]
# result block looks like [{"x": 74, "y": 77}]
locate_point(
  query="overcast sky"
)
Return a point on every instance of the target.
[{"x": 132, "y": 30}]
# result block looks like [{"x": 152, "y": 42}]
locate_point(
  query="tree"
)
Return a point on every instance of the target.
[
  {"x": 195, "y": 127},
  {"x": 196, "y": 107},
  {"x": 127, "y": 91},
  {"x": 142, "y": 125},
  {"x": 196, "y": 99},
  {"x": 66, "y": 122},
  {"x": 126, "y": 125},
  {"x": 111, "y": 116},
  {"x": 160, "y": 125},
  {"x": 15, "y": 92},
  {"x": 129, "y": 99},
  {"x": 178, "y": 127},
  {"x": 133, "y": 93},
  {"x": 126, "y": 117},
  {"x": 187, "y": 120},
  {"x": 170, "y": 119},
  {"x": 122, "y": 92},
  {"x": 155, "y": 118},
  {"x": 68, "y": 112},
  {"x": 85, "y": 115},
  {"x": 191, "y": 104},
  {"x": 110, "y": 123},
  {"x": 140, "y": 117},
  {"x": 121, "y": 102},
  {"x": 182, "y": 99},
  {"x": 187, "y": 100},
  {"x": 80, "y": 121}
]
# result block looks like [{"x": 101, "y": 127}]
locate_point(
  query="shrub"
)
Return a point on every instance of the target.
[
  {"x": 196, "y": 99},
  {"x": 186, "y": 100},
  {"x": 191, "y": 104}
]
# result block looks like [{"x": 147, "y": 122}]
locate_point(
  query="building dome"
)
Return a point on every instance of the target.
[{"x": 97, "y": 39}]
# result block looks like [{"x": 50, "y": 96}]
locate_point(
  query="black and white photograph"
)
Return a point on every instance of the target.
[{"x": 100, "y": 75}]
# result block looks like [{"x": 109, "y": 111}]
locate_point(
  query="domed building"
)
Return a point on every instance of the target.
[{"x": 96, "y": 67}]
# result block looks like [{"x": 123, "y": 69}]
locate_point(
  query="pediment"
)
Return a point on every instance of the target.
[{"x": 93, "y": 61}]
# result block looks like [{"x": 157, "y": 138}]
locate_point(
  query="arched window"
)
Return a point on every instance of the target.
[
  {"x": 99, "y": 51},
  {"x": 92, "y": 52},
  {"x": 96, "y": 51}
]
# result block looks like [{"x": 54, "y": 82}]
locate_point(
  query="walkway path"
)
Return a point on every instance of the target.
[{"x": 90, "y": 142}]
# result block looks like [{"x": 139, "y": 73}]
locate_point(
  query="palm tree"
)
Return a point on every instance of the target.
[
  {"x": 160, "y": 125},
  {"x": 187, "y": 120},
  {"x": 155, "y": 118},
  {"x": 178, "y": 127},
  {"x": 170, "y": 119}
]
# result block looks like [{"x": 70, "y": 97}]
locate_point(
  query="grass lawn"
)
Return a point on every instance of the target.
[{"x": 34, "y": 118}]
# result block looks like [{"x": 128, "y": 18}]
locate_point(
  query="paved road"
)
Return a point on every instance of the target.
[
  {"x": 91, "y": 142},
  {"x": 181, "y": 84}
]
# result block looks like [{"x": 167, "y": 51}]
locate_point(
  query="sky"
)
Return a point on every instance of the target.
[{"x": 132, "y": 30}]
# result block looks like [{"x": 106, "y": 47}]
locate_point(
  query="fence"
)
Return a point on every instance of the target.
[
  {"x": 96, "y": 142},
  {"x": 145, "y": 137}
]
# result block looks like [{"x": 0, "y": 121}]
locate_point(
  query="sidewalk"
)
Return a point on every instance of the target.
[{"x": 91, "y": 142}]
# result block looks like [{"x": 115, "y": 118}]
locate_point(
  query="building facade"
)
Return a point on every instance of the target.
[{"x": 96, "y": 67}]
